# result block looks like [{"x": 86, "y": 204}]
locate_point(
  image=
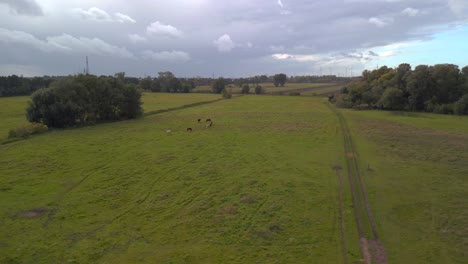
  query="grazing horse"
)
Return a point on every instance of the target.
[
  {"x": 189, "y": 129},
  {"x": 168, "y": 131},
  {"x": 199, "y": 119},
  {"x": 209, "y": 124},
  {"x": 208, "y": 120}
]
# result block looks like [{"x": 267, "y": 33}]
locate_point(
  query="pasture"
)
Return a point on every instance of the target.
[
  {"x": 258, "y": 185},
  {"x": 267, "y": 183},
  {"x": 268, "y": 87},
  {"x": 415, "y": 167}
]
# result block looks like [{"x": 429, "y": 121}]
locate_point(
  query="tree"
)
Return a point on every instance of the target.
[
  {"x": 164, "y": 79},
  {"x": 258, "y": 89},
  {"x": 155, "y": 85},
  {"x": 245, "y": 88},
  {"x": 446, "y": 80},
  {"x": 461, "y": 106},
  {"x": 279, "y": 79},
  {"x": 392, "y": 99},
  {"x": 146, "y": 83},
  {"x": 226, "y": 94},
  {"x": 120, "y": 76},
  {"x": 218, "y": 85},
  {"x": 419, "y": 87},
  {"x": 84, "y": 99}
]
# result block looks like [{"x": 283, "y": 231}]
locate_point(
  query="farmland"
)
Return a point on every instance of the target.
[{"x": 268, "y": 182}]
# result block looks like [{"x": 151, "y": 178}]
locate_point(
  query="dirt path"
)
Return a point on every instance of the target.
[{"x": 372, "y": 250}]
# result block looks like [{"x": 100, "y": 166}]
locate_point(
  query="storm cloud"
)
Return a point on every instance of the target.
[{"x": 206, "y": 37}]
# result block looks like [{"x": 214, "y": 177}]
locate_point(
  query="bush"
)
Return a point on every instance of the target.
[
  {"x": 245, "y": 89},
  {"x": 461, "y": 106},
  {"x": 294, "y": 93},
  {"x": 443, "y": 109},
  {"x": 226, "y": 94},
  {"x": 27, "y": 130},
  {"x": 258, "y": 89}
]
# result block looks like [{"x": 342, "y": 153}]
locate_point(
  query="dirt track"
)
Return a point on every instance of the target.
[{"x": 372, "y": 250}]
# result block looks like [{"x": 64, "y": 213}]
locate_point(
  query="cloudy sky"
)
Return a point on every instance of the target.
[{"x": 228, "y": 37}]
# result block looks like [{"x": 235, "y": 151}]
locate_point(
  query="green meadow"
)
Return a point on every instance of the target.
[
  {"x": 259, "y": 186},
  {"x": 268, "y": 87},
  {"x": 415, "y": 166}
]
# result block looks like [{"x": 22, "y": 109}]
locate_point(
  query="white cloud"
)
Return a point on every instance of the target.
[
  {"x": 458, "y": 7},
  {"x": 122, "y": 18},
  {"x": 280, "y": 3},
  {"x": 64, "y": 43},
  {"x": 94, "y": 13},
  {"x": 166, "y": 56},
  {"x": 411, "y": 12},
  {"x": 296, "y": 57},
  {"x": 135, "y": 38},
  {"x": 158, "y": 29},
  {"x": 224, "y": 43},
  {"x": 249, "y": 44},
  {"x": 380, "y": 22},
  {"x": 285, "y": 12}
]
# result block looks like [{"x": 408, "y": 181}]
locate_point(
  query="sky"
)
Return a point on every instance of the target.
[{"x": 227, "y": 38}]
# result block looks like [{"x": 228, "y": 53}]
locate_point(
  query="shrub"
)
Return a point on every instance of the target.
[
  {"x": 27, "y": 130},
  {"x": 245, "y": 89},
  {"x": 258, "y": 89},
  {"x": 294, "y": 93},
  {"x": 461, "y": 106},
  {"x": 226, "y": 94}
]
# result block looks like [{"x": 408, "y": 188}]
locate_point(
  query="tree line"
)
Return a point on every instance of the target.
[
  {"x": 441, "y": 88},
  {"x": 15, "y": 85},
  {"x": 83, "y": 100},
  {"x": 164, "y": 82}
]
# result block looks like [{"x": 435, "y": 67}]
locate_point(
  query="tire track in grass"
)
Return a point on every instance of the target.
[{"x": 372, "y": 250}]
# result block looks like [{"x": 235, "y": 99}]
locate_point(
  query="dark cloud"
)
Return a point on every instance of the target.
[
  {"x": 24, "y": 7},
  {"x": 206, "y": 37}
]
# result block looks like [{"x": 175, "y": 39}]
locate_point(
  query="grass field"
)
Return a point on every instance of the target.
[
  {"x": 12, "y": 109},
  {"x": 268, "y": 87},
  {"x": 12, "y": 113},
  {"x": 417, "y": 182},
  {"x": 257, "y": 186},
  {"x": 262, "y": 185},
  {"x": 322, "y": 91}
]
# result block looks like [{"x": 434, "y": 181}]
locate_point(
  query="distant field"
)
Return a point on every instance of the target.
[
  {"x": 258, "y": 185},
  {"x": 331, "y": 89},
  {"x": 417, "y": 181},
  {"x": 12, "y": 113},
  {"x": 12, "y": 109},
  {"x": 269, "y": 87},
  {"x": 157, "y": 101}
]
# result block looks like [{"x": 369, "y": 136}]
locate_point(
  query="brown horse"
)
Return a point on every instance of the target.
[{"x": 189, "y": 129}]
